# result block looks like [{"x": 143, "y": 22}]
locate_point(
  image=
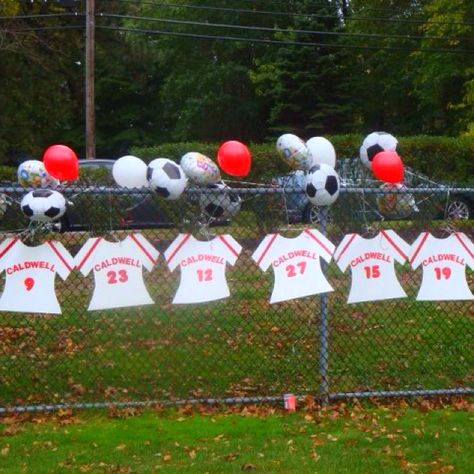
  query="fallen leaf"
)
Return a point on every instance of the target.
[
  {"x": 248, "y": 467},
  {"x": 315, "y": 456}
]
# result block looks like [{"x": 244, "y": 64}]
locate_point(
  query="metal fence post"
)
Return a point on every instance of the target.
[{"x": 323, "y": 324}]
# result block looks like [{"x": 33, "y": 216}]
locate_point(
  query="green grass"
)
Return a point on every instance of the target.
[{"x": 353, "y": 440}]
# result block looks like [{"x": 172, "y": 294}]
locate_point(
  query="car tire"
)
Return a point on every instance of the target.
[
  {"x": 458, "y": 208},
  {"x": 311, "y": 214}
]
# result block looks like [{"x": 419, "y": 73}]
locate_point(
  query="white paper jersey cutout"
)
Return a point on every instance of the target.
[
  {"x": 30, "y": 275},
  {"x": 372, "y": 262},
  {"x": 296, "y": 264},
  {"x": 118, "y": 273},
  {"x": 203, "y": 265},
  {"x": 444, "y": 264}
]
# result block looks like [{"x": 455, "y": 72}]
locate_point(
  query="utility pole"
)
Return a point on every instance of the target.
[{"x": 89, "y": 79}]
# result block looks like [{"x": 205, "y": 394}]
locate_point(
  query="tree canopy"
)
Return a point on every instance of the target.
[{"x": 173, "y": 70}]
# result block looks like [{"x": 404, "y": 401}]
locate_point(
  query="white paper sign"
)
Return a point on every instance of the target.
[
  {"x": 30, "y": 275},
  {"x": 203, "y": 265},
  {"x": 117, "y": 270},
  {"x": 444, "y": 264},
  {"x": 296, "y": 264},
  {"x": 372, "y": 263}
]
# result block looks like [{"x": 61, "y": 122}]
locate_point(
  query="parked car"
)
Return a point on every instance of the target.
[
  {"x": 445, "y": 205},
  {"x": 102, "y": 204},
  {"x": 97, "y": 206}
]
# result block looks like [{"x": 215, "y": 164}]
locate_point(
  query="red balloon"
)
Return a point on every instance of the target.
[
  {"x": 234, "y": 158},
  {"x": 388, "y": 166},
  {"x": 61, "y": 162}
]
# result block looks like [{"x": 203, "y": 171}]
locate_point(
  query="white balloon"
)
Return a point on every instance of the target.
[
  {"x": 130, "y": 172},
  {"x": 322, "y": 151}
]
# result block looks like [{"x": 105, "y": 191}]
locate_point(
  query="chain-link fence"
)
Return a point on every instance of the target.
[{"x": 191, "y": 342}]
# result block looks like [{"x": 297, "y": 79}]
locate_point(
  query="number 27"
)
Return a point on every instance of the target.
[{"x": 291, "y": 269}]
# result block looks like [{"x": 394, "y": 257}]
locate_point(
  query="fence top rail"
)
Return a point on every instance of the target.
[{"x": 75, "y": 190}]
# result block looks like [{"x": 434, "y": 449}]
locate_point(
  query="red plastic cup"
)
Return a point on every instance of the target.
[{"x": 289, "y": 401}]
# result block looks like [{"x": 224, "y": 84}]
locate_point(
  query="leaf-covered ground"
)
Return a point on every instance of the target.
[{"x": 341, "y": 438}]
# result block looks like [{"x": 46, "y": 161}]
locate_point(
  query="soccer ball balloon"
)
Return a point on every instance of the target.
[
  {"x": 375, "y": 143},
  {"x": 322, "y": 185},
  {"x": 220, "y": 204},
  {"x": 43, "y": 205},
  {"x": 33, "y": 173},
  {"x": 166, "y": 178}
]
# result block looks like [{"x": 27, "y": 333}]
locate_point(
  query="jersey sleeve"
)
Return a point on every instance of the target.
[
  {"x": 468, "y": 248},
  {"x": 173, "y": 252},
  {"x": 230, "y": 248},
  {"x": 5, "y": 247},
  {"x": 62, "y": 259},
  {"x": 263, "y": 253},
  {"x": 321, "y": 244},
  {"x": 415, "y": 254},
  {"x": 84, "y": 260},
  {"x": 343, "y": 252},
  {"x": 398, "y": 247},
  {"x": 147, "y": 253}
]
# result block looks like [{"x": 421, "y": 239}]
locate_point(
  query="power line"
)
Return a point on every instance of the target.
[
  {"x": 273, "y": 30},
  {"x": 226, "y": 25},
  {"x": 42, "y": 28},
  {"x": 44, "y": 15},
  {"x": 305, "y": 15},
  {"x": 287, "y": 43},
  {"x": 69, "y": 3},
  {"x": 237, "y": 39}
]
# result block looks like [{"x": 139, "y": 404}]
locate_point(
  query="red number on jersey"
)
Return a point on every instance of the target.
[
  {"x": 204, "y": 275},
  {"x": 29, "y": 283},
  {"x": 112, "y": 277},
  {"x": 372, "y": 271},
  {"x": 291, "y": 269},
  {"x": 442, "y": 272}
]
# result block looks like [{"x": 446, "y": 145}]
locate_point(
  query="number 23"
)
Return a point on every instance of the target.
[{"x": 112, "y": 277}]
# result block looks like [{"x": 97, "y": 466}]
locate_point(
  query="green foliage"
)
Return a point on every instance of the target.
[
  {"x": 442, "y": 158},
  {"x": 378, "y": 75},
  {"x": 305, "y": 87},
  {"x": 443, "y": 83},
  {"x": 8, "y": 173},
  {"x": 9, "y": 7},
  {"x": 41, "y": 96}
]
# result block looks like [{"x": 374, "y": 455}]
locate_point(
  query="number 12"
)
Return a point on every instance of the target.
[{"x": 204, "y": 275}]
